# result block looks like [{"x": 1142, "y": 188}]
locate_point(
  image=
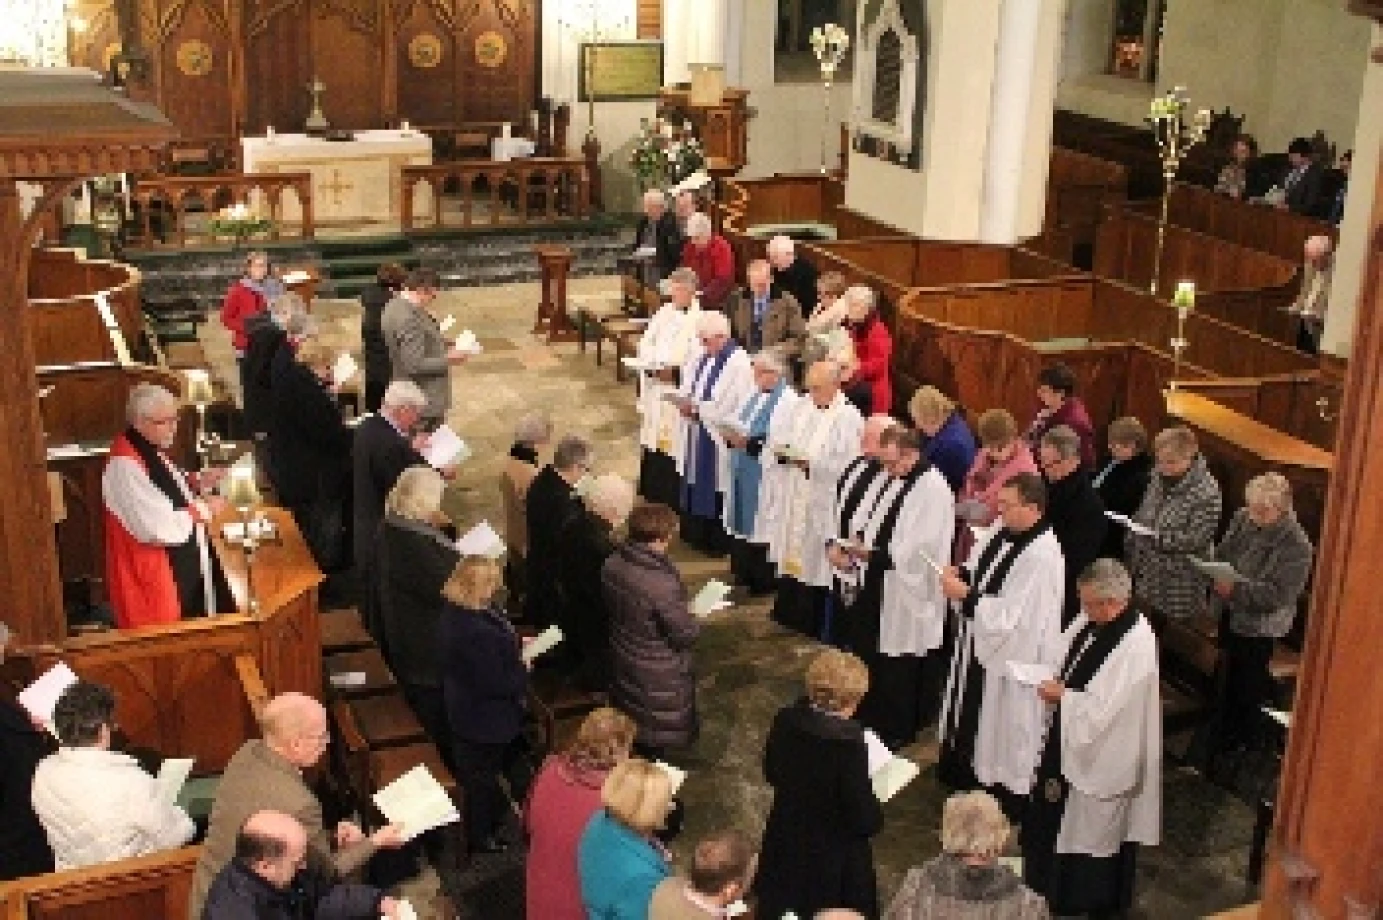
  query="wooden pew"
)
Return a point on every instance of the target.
[
  {"x": 154, "y": 887},
  {"x": 1265, "y": 229},
  {"x": 1079, "y": 189}
]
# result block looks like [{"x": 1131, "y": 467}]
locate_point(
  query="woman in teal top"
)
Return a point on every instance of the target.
[{"x": 619, "y": 860}]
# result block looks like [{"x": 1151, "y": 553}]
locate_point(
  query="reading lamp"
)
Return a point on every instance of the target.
[
  {"x": 243, "y": 495},
  {"x": 200, "y": 394}
]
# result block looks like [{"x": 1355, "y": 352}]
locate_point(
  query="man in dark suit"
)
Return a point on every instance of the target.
[
  {"x": 657, "y": 233},
  {"x": 551, "y": 504},
  {"x": 794, "y": 275},
  {"x": 1302, "y": 181},
  {"x": 1074, "y": 508},
  {"x": 763, "y": 315}
]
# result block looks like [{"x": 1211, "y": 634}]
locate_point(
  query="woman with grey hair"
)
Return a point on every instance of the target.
[
  {"x": 412, "y": 560},
  {"x": 709, "y": 255},
  {"x": 532, "y": 432},
  {"x": 967, "y": 881},
  {"x": 1270, "y": 555},
  {"x": 587, "y": 541}
]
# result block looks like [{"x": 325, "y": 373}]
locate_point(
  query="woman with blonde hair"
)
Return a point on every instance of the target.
[
  {"x": 484, "y": 683},
  {"x": 950, "y": 445},
  {"x": 816, "y": 852},
  {"x": 565, "y": 794},
  {"x": 619, "y": 858}
]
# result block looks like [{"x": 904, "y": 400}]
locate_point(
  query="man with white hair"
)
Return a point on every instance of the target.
[
  {"x": 587, "y": 540},
  {"x": 1311, "y": 304},
  {"x": 815, "y": 446},
  {"x": 667, "y": 345},
  {"x": 794, "y": 275},
  {"x": 1098, "y": 790},
  {"x": 709, "y": 255},
  {"x": 715, "y": 385},
  {"x": 748, "y": 430},
  {"x": 657, "y": 237},
  {"x": 763, "y": 315},
  {"x": 159, "y": 563}
]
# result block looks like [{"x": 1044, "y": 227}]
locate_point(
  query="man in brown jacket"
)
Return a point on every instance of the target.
[
  {"x": 764, "y": 316},
  {"x": 266, "y": 775},
  {"x": 722, "y": 865}
]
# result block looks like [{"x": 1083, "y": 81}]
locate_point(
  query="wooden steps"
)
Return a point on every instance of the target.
[{"x": 343, "y": 631}]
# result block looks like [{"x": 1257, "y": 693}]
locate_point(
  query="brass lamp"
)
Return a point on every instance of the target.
[
  {"x": 201, "y": 395},
  {"x": 243, "y": 495},
  {"x": 1184, "y": 301}
]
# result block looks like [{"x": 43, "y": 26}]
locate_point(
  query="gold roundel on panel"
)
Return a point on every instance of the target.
[
  {"x": 195, "y": 58},
  {"x": 490, "y": 49},
  {"x": 108, "y": 56},
  {"x": 425, "y": 50}
]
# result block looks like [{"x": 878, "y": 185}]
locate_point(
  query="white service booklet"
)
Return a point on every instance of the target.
[
  {"x": 445, "y": 448},
  {"x": 42, "y": 695},
  {"x": 405, "y": 910},
  {"x": 172, "y": 776},
  {"x": 1217, "y": 570},
  {"x": 1030, "y": 674},
  {"x": 344, "y": 369},
  {"x": 1130, "y": 523},
  {"x": 417, "y": 802},
  {"x": 676, "y": 775},
  {"x": 447, "y": 322},
  {"x": 297, "y": 276},
  {"x": 468, "y": 343},
  {"x": 481, "y": 540},
  {"x": 789, "y": 452},
  {"x": 734, "y": 425},
  {"x": 541, "y": 644},
  {"x": 713, "y": 596},
  {"x": 887, "y": 771}
]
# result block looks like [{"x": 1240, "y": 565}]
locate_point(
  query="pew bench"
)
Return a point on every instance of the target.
[
  {"x": 343, "y": 631},
  {"x": 386, "y": 721},
  {"x": 128, "y": 889}
]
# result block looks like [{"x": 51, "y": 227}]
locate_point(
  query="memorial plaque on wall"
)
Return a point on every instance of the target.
[{"x": 612, "y": 71}]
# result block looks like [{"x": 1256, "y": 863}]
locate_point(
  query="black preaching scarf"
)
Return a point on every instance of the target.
[
  {"x": 185, "y": 558},
  {"x": 868, "y": 605},
  {"x": 869, "y": 469},
  {"x": 1016, "y": 544}
]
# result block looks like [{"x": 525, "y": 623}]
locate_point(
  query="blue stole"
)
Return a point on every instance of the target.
[
  {"x": 699, "y": 493},
  {"x": 746, "y": 472}
]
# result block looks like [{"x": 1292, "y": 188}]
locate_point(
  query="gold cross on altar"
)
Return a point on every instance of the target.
[{"x": 336, "y": 186}]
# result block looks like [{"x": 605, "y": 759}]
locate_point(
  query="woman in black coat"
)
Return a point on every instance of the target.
[
  {"x": 1123, "y": 478},
  {"x": 484, "y": 682},
  {"x": 412, "y": 561},
  {"x": 23, "y": 842},
  {"x": 587, "y": 541},
  {"x": 816, "y": 852},
  {"x": 386, "y": 286}
]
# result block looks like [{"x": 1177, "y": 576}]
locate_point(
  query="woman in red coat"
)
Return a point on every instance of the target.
[
  {"x": 248, "y": 296},
  {"x": 710, "y": 256},
  {"x": 868, "y": 383},
  {"x": 564, "y": 796}
]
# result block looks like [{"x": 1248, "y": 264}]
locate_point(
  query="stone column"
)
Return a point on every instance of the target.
[{"x": 694, "y": 32}]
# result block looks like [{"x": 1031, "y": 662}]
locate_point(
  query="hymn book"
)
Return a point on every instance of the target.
[
  {"x": 297, "y": 276},
  {"x": 676, "y": 777},
  {"x": 468, "y": 343},
  {"x": 172, "y": 776},
  {"x": 446, "y": 323},
  {"x": 481, "y": 540},
  {"x": 713, "y": 596},
  {"x": 405, "y": 910},
  {"x": 789, "y": 452},
  {"x": 1131, "y": 524},
  {"x": 344, "y": 369},
  {"x": 1216, "y": 570},
  {"x": 417, "y": 802},
  {"x": 887, "y": 771},
  {"x": 42, "y": 695},
  {"x": 1030, "y": 674},
  {"x": 445, "y": 448},
  {"x": 541, "y": 644}
]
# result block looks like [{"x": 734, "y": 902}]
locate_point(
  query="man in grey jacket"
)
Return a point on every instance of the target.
[{"x": 417, "y": 349}]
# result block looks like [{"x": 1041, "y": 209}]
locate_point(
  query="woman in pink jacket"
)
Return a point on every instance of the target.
[
  {"x": 564, "y": 796},
  {"x": 1002, "y": 455}
]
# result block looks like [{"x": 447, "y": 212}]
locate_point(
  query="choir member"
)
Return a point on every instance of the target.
[{"x": 667, "y": 344}]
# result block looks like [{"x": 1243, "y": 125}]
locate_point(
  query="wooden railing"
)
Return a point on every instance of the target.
[
  {"x": 1279, "y": 233},
  {"x": 157, "y": 885},
  {"x": 175, "y": 209},
  {"x": 81, "y": 309},
  {"x": 493, "y": 193},
  {"x": 1079, "y": 188}
]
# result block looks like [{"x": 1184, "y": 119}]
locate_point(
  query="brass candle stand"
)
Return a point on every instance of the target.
[
  {"x": 829, "y": 44},
  {"x": 1175, "y": 138},
  {"x": 1184, "y": 300}
]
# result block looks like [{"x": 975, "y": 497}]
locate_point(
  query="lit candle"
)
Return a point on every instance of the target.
[
  {"x": 1185, "y": 296},
  {"x": 404, "y": 126}
]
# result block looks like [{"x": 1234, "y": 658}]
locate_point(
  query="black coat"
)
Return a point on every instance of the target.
[
  {"x": 586, "y": 542},
  {"x": 816, "y": 852},
  {"x": 380, "y": 455},
  {"x": 23, "y": 842},
  {"x": 799, "y": 280},
  {"x": 1304, "y": 197},
  {"x": 266, "y": 340},
  {"x": 1077, "y": 517},
  {"x": 1122, "y": 492},
  {"x": 412, "y": 562},
  {"x": 239, "y": 894},
  {"x": 483, "y": 678},
  {"x": 548, "y": 507},
  {"x": 310, "y": 444},
  {"x": 667, "y": 241},
  {"x": 376, "y": 351}
]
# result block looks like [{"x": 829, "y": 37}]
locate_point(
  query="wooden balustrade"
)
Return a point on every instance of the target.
[
  {"x": 60, "y": 279},
  {"x": 1079, "y": 188},
  {"x": 174, "y": 209},
  {"x": 494, "y": 193},
  {"x": 1265, "y": 229}
]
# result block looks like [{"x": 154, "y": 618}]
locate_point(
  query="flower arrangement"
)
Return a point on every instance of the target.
[
  {"x": 829, "y": 44},
  {"x": 240, "y": 223},
  {"x": 664, "y": 155}
]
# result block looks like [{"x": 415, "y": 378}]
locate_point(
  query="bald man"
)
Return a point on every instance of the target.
[
  {"x": 270, "y": 877},
  {"x": 266, "y": 774},
  {"x": 857, "y": 492}
]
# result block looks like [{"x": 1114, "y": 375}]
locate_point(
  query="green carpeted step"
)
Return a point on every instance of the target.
[
  {"x": 365, "y": 263},
  {"x": 379, "y": 247}
]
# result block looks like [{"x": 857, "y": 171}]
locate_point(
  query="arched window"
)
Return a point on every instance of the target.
[{"x": 888, "y": 75}]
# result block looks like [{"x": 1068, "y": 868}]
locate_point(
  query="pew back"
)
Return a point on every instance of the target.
[{"x": 147, "y": 887}]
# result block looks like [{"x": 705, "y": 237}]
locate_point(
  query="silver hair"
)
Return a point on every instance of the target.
[
  {"x": 404, "y": 394},
  {"x": 759, "y": 265},
  {"x": 654, "y": 196},
  {"x": 685, "y": 276},
  {"x": 880, "y": 422},
  {"x": 1064, "y": 440},
  {"x": 858, "y": 293},
  {"x": 300, "y": 325},
  {"x": 288, "y": 304},
  {"x": 973, "y": 824},
  {"x": 533, "y": 428},
  {"x": 145, "y": 399},
  {"x": 698, "y": 225},
  {"x": 781, "y": 245},
  {"x": 573, "y": 451},
  {"x": 1108, "y": 579},
  {"x": 416, "y": 495},
  {"x": 610, "y": 497},
  {"x": 771, "y": 359},
  {"x": 712, "y": 322},
  {"x": 1269, "y": 489}
]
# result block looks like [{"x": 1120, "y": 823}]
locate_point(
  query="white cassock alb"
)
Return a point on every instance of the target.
[
  {"x": 913, "y": 616},
  {"x": 762, "y": 465},
  {"x": 1016, "y": 621},
  {"x": 669, "y": 340},
  {"x": 777, "y": 476},
  {"x": 798, "y": 520},
  {"x": 735, "y": 382}
]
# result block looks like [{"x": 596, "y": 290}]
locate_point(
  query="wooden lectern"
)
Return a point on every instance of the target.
[
  {"x": 555, "y": 263},
  {"x": 722, "y": 127}
]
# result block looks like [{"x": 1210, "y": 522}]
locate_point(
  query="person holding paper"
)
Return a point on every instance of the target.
[
  {"x": 1269, "y": 555},
  {"x": 272, "y": 335},
  {"x": 1056, "y": 393},
  {"x": 898, "y": 611},
  {"x": 666, "y": 348},
  {"x": 771, "y": 403},
  {"x": 587, "y": 541},
  {"x": 816, "y": 852},
  {"x": 619, "y": 859},
  {"x": 950, "y": 447},
  {"x": 484, "y": 682},
  {"x": 1098, "y": 791},
  {"x": 1002, "y": 455},
  {"x": 656, "y": 233},
  {"x": 1074, "y": 508},
  {"x": 551, "y": 504},
  {"x": 160, "y": 567},
  {"x": 1123, "y": 479},
  {"x": 97, "y": 805},
  {"x": 532, "y": 432},
  {"x": 868, "y": 379},
  {"x": 709, "y": 255},
  {"x": 389, "y": 279},
  {"x": 824, "y": 431},
  {"x": 1182, "y": 509},
  {"x": 1005, "y": 607},
  {"x": 722, "y": 866},
  {"x": 762, "y": 315},
  {"x": 652, "y": 630},
  {"x": 716, "y": 384},
  {"x": 417, "y": 349},
  {"x": 24, "y": 846}
]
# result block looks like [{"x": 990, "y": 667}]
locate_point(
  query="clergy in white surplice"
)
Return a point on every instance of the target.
[
  {"x": 893, "y": 563},
  {"x": 1097, "y": 793},
  {"x": 1006, "y": 616},
  {"x": 746, "y": 433},
  {"x": 714, "y": 386},
  {"x": 668, "y": 343},
  {"x": 816, "y": 445}
]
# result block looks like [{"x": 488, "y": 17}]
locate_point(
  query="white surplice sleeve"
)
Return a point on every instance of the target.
[
  {"x": 1009, "y": 626},
  {"x": 841, "y": 447},
  {"x": 914, "y": 608},
  {"x": 145, "y": 511}
]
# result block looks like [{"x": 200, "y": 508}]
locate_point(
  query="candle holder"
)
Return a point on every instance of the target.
[
  {"x": 1184, "y": 300},
  {"x": 201, "y": 395},
  {"x": 1175, "y": 138},
  {"x": 829, "y": 44},
  {"x": 242, "y": 493}
]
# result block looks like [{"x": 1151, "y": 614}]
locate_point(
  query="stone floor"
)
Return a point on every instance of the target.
[{"x": 747, "y": 667}]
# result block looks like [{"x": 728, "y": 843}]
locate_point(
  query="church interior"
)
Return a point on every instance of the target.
[{"x": 1021, "y": 186}]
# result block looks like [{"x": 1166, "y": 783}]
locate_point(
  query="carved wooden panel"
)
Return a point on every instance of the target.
[
  {"x": 426, "y": 50},
  {"x": 347, "y": 56},
  {"x": 194, "y": 47},
  {"x": 128, "y": 889},
  {"x": 278, "y": 64},
  {"x": 495, "y": 86}
]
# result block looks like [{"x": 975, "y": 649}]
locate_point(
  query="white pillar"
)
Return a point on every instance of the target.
[
  {"x": 694, "y": 32},
  {"x": 1010, "y": 107}
]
